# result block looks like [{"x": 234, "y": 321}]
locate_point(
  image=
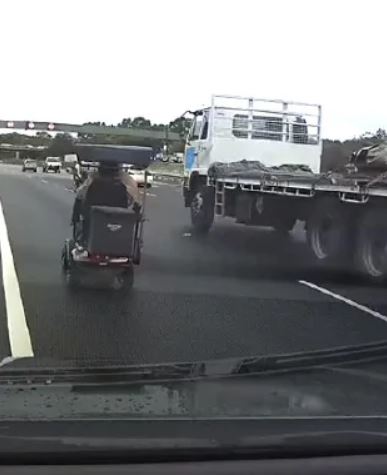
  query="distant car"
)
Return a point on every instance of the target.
[
  {"x": 53, "y": 164},
  {"x": 138, "y": 175},
  {"x": 30, "y": 164}
]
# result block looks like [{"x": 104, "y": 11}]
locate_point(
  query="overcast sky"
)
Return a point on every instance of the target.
[{"x": 77, "y": 61}]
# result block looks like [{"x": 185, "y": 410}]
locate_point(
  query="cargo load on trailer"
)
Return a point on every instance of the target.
[{"x": 371, "y": 160}]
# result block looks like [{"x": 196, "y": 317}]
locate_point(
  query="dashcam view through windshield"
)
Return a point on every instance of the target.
[{"x": 185, "y": 193}]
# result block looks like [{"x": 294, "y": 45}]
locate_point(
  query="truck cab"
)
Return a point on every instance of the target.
[{"x": 234, "y": 128}]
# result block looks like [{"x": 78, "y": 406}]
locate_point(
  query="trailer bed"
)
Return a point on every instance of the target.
[{"x": 297, "y": 181}]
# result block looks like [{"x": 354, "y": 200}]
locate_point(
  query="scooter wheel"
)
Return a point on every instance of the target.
[
  {"x": 71, "y": 279},
  {"x": 137, "y": 253},
  {"x": 124, "y": 281},
  {"x": 66, "y": 254},
  {"x": 69, "y": 272}
]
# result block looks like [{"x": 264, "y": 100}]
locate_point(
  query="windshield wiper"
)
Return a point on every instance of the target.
[
  {"x": 303, "y": 360},
  {"x": 34, "y": 371}
]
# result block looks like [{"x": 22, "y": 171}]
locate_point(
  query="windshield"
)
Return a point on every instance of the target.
[{"x": 197, "y": 208}]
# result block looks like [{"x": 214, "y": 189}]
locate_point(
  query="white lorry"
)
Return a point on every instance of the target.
[{"x": 258, "y": 161}]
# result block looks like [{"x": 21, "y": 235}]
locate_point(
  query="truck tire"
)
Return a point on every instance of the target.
[
  {"x": 202, "y": 208},
  {"x": 328, "y": 231},
  {"x": 371, "y": 245}
]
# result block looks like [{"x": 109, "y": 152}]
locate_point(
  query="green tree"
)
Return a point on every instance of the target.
[
  {"x": 103, "y": 124},
  {"x": 141, "y": 123},
  {"x": 380, "y": 134},
  {"x": 125, "y": 122},
  {"x": 181, "y": 125}
]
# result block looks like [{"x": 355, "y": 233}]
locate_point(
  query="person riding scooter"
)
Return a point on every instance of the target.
[
  {"x": 108, "y": 186},
  {"x": 80, "y": 175}
]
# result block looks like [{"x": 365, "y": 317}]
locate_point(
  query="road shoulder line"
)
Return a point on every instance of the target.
[
  {"x": 339, "y": 297},
  {"x": 18, "y": 333}
]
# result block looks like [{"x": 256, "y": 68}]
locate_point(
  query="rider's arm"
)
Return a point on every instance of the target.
[{"x": 132, "y": 189}]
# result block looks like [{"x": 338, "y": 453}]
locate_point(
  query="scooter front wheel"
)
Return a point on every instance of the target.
[{"x": 69, "y": 271}]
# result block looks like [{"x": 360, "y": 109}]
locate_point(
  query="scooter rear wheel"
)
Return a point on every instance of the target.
[{"x": 124, "y": 282}]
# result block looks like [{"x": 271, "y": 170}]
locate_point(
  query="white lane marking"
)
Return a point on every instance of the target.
[
  {"x": 350, "y": 302},
  {"x": 43, "y": 180},
  {"x": 19, "y": 335},
  {"x": 7, "y": 360}
]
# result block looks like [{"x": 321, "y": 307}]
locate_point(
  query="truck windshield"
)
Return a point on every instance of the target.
[{"x": 196, "y": 127}]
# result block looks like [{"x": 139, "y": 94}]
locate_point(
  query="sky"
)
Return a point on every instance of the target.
[{"x": 102, "y": 60}]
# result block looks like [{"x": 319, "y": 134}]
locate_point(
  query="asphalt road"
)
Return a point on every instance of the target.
[{"x": 235, "y": 292}]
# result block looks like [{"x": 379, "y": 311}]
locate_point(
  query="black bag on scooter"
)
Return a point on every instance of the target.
[{"x": 111, "y": 231}]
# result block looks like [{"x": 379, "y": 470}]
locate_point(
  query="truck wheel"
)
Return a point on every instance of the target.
[
  {"x": 371, "y": 245},
  {"x": 202, "y": 208},
  {"x": 327, "y": 232}
]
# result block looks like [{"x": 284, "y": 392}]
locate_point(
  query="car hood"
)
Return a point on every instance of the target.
[{"x": 211, "y": 389}]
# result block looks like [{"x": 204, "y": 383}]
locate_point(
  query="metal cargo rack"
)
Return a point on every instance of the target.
[{"x": 356, "y": 190}]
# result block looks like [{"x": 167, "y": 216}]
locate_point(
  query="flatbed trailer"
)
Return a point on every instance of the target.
[
  {"x": 345, "y": 215},
  {"x": 258, "y": 161}
]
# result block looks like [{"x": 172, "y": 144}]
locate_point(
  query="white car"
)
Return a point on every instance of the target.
[
  {"x": 30, "y": 164},
  {"x": 138, "y": 175},
  {"x": 53, "y": 164}
]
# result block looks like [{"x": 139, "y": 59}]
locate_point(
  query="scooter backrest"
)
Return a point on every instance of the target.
[{"x": 111, "y": 231}]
